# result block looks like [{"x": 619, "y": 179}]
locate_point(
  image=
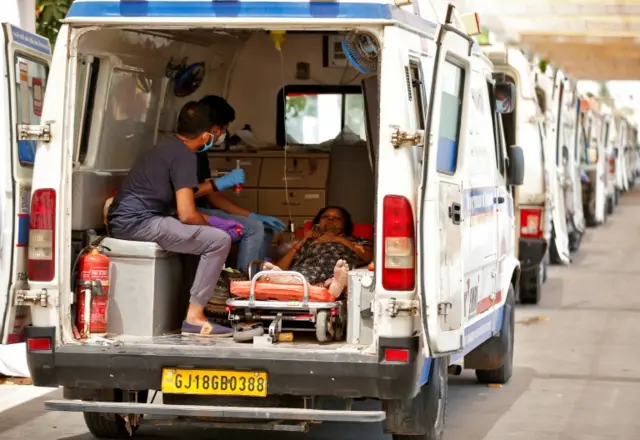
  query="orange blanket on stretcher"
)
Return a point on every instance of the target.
[{"x": 266, "y": 291}]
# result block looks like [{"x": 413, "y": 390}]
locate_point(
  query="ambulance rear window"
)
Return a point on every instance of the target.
[{"x": 31, "y": 80}]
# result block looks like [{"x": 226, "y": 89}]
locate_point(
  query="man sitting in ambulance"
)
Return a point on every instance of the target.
[
  {"x": 155, "y": 203},
  {"x": 258, "y": 229}
]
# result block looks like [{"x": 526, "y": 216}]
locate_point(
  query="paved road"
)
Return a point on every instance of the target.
[{"x": 577, "y": 364}]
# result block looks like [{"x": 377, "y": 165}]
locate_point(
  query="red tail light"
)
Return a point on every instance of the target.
[
  {"x": 530, "y": 223},
  {"x": 398, "y": 237},
  {"x": 612, "y": 165},
  {"x": 42, "y": 235},
  {"x": 396, "y": 355}
]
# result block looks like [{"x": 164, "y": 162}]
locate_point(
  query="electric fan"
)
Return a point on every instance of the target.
[
  {"x": 362, "y": 50},
  {"x": 187, "y": 79}
]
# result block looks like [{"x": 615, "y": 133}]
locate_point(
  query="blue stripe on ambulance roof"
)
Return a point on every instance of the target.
[
  {"x": 268, "y": 9},
  {"x": 248, "y": 9}
]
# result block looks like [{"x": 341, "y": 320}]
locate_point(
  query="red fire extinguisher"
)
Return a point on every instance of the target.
[{"x": 93, "y": 291}]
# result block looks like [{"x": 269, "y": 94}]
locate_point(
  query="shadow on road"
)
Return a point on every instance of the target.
[
  {"x": 26, "y": 412},
  {"x": 474, "y": 408}
]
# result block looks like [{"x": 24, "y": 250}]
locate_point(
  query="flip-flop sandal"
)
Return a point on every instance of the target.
[{"x": 210, "y": 329}]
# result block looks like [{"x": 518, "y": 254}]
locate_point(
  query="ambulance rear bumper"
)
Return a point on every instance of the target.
[{"x": 296, "y": 372}]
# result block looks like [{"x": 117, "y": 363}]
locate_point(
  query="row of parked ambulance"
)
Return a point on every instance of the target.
[
  {"x": 581, "y": 155},
  {"x": 482, "y": 168}
]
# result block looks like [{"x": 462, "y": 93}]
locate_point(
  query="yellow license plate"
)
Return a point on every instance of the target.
[{"x": 214, "y": 382}]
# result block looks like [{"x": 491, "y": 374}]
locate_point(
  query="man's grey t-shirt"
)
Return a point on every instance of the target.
[{"x": 150, "y": 188}]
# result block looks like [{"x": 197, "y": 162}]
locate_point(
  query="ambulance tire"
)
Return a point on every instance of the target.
[
  {"x": 502, "y": 344},
  {"x": 423, "y": 417},
  {"x": 610, "y": 205},
  {"x": 112, "y": 426}
]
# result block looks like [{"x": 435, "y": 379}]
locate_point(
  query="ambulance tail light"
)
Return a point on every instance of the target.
[
  {"x": 42, "y": 235},
  {"x": 531, "y": 223},
  {"x": 612, "y": 165},
  {"x": 398, "y": 238}
]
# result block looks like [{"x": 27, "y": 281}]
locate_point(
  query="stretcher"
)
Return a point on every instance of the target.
[{"x": 254, "y": 303}]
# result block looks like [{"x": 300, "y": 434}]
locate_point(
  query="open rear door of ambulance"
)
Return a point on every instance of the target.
[
  {"x": 24, "y": 67},
  {"x": 440, "y": 265}
]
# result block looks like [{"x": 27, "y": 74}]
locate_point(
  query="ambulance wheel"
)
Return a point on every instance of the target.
[
  {"x": 554, "y": 255},
  {"x": 322, "y": 326},
  {"x": 610, "y": 205},
  {"x": 423, "y": 417},
  {"x": 340, "y": 323},
  {"x": 501, "y": 345},
  {"x": 531, "y": 285},
  {"x": 112, "y": 426}
]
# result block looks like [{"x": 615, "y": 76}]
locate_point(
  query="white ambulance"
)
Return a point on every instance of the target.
[
  {"x": 536, "y": 199},
  {"x": 424, "y": 134},
  {"x": 556, "y": 96}
]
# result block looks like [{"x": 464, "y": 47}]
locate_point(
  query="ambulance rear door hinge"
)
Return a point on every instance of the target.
[
  {"x": 395, "y": 307},
  {"x": 36, "y": 297},
  {"x": 40, "y": 133},
  {"x": 443, "y": 308},
  {"x": 402, "y": 138}
]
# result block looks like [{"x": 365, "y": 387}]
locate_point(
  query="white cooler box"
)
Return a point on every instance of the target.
[{"x": 146, "y": 297}]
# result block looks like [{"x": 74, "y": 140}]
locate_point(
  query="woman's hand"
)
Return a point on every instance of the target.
[{"x": 311, "y": 234}]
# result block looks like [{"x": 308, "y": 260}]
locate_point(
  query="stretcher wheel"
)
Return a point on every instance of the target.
[
  {"x": 245, "y": 332},
  {"x": 322, "y": 326},
  {"x": 340, "y": 323}
]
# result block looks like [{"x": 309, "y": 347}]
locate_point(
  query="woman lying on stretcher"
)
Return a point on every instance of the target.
[{"x": 325, "y": 253}]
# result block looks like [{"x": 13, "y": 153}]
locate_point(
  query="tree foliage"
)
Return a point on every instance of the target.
[
  {"x": 296, "y": 106},
  {"x": 48, "y": 16}
]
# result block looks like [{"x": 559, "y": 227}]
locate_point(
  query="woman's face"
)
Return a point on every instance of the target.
[{"x": 331, "y": 219}]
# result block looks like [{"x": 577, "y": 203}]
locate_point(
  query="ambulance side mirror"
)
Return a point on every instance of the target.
[
  {"x": 505, "y": 95},
  {"x": 515, "y": 171}
]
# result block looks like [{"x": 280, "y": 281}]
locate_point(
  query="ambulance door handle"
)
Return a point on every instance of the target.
[
  {"x": 499, "y": 200},
  {"x": 455, "y": 213}
]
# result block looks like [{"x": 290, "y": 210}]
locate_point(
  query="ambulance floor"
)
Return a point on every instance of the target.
[{"x": 577, "y": 372}]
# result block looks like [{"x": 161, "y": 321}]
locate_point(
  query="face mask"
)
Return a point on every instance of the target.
[
  {"x": 499, "y": 106},
  {"x": 221, "y": 139},
  {"x": 206, "y": 145}
]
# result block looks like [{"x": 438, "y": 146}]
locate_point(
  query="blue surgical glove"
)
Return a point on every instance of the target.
[
  {"x": 229, "y": 180},
  {"x": 269, "y": 221}
]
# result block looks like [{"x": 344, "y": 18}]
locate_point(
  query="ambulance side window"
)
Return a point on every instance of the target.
[
  {"x": 31, "y": 81},
  {"x": 453, "y": 77},
  {"x": 416, "y": 91},
  {"x": 496, "y": 130},
  {"x": 129, "y": 124},
  {"x": 88, "y": 69}
]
